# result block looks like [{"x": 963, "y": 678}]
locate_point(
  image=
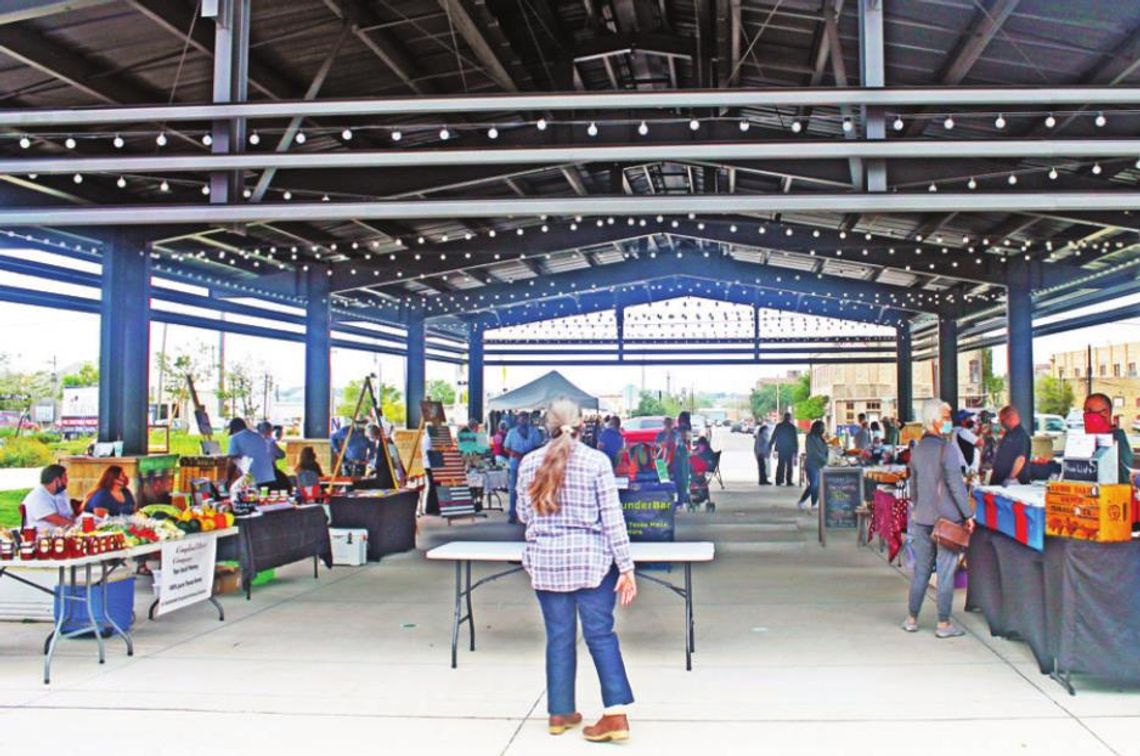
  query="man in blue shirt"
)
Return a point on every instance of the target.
[
  {"x": 610, "y": 440},
  {"x": 357, "y": 449},
  {"x": 246, "y": 443},
  {"x": 521, "y": 440}
]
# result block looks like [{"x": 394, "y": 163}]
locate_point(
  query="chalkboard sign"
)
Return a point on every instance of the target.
[
  {"x": 648, "y": 510},
  {"x": 840, "y": 494}
]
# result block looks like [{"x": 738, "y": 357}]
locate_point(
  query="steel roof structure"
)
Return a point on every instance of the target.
[{"x": 439, "y": 167}]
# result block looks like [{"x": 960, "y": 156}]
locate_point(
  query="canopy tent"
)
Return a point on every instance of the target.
[{"x": 539, "y": 393}]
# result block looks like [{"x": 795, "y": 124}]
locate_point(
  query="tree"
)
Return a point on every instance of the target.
[
  {"x": 648, "y": 404},
  {"x": 763, "y": 399},
  {"x": 1054, "y": 396},
  {"x": 441, "y": 391},
  {"x": 87, "y": 375},
  {"x": 391, "y": 402},
  {"x": 19, "y": 390},
  {"x": 992, "y": 385},
  {"x": 812, "y": 408},
  {"x": 196, "y": 363}
]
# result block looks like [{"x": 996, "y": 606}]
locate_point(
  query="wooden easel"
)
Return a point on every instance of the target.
[
  {"x": 201, "y": 417},
  {"x": 375, "y": 414}
]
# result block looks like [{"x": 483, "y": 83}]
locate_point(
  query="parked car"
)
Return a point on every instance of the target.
[
  {"x": 737, "y": 428},
  {"x": 1076, "y": 420},
  {"x": 642, "y": 430},
  {"x": 1049, "y": 425}
]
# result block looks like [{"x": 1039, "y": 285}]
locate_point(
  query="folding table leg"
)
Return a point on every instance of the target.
[
  {"x": 107, "y": 613},
  {"x": 689, "y": 646},
  {"x": 470, "y": 614},
  {"x": 455, "y": 619},
  {"x": 60, "y": 598},
  {"x": 91, "y": 617}
]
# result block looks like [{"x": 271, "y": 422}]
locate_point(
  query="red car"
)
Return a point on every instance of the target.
[{"x": 642, "y": 430}]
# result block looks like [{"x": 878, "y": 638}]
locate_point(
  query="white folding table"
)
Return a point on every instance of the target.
[
  {"x": 463, "y": 553},
  {"x": 107, "y": 563}
]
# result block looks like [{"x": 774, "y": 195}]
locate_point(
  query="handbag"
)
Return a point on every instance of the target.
[{"x": 950, "y": 535}]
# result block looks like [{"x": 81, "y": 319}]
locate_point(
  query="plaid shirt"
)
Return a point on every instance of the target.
[{"x": 575, "y": 547}]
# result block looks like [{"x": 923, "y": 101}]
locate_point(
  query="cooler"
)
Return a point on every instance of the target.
[
  {"x": 120, "y": 606},
  {"x": 349, "y": 546}
]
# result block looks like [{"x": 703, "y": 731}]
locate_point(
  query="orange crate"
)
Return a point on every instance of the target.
[{"x": 1089, "y": 511}]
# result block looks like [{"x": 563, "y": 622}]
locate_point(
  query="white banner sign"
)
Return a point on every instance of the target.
[{"x": 187, "y": 572}]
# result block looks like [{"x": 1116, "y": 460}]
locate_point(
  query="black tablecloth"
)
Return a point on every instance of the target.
[
  {"x": 390, "y": 520},
  {"x": 1078, "y": 603},
  {"x": 273, "y": 539}
]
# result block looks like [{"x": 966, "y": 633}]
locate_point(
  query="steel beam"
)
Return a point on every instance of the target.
[
  {"x": 464, "y": 16},
  {"x": 872, "y": 63},
  {"x": 904, "y": 375},
  {"x": 888, "y": 97},
  {"x": 124, "y": 346},
  {"x": 415, "y": 375},
  {"x": 318, "y": 353},
  {"x": 1019, "y": 326},
  {"x": 948, "y": 360},
  {"x": 475, "y": 363},
  {"x": 231, "y": 85},
  {"x": 718, "y": 152},
  {"x": 14, "y": 11},
  {"x": 1054, "y": 203}
]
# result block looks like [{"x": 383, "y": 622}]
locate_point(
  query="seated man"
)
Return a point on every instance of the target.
[
  {"x": 610, "y": 440},
  {"x": 47, "y": 504}
]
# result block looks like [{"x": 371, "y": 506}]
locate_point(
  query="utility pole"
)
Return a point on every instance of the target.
[{"x": 1088, "y": 372}]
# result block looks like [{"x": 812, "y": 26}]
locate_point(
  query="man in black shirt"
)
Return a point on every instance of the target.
[
  {"x": 1011, "y": 461},
  {"x": 1098, "y": 419}
]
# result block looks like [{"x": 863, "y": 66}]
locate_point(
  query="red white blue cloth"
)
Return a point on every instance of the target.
[{"x": 575, "y": 547}]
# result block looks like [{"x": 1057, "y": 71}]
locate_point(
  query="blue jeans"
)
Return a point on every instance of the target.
[
  {"x": 560, "y": 613},
  {"x": 927, "y": 557},
  {"x": 812, "y": 489},
  {"x": 512, "y": 487}
]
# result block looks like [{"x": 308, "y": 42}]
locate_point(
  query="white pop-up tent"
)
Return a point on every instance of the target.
[{"x": 539, "y": 393}]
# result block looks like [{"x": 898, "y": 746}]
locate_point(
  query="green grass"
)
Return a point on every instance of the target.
[{"x": 10, "y": 507}]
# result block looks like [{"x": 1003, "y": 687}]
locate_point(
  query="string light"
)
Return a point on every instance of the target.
[
  {"x": 797, "y": 127},
  {"x": 694, "y": 124},
  {"x": 643, "y": 128},
  {"x": 206, "y": 189},
  {"x": 397, "y": 136},
  {"x": 999, "y": 122},
  {"x": 745, "y": 124},
  {"x": 77, "y": 178},
  {"x": 1050, "y": 121},
  {"x": 848, "y": 126},
  {"x": 492, "y": 133},
  {"x": 255, "y": 139},
  {"x": 121, "y": 183},
  {"x": 541, "y": 124},
  {"x": 592, "y": 129},
  {"x": 1053, "y": 174},
  {"x": 972, "y": 183},
  {"x": 160, "y": 140},
  {"x": 164, "y": 186},
  {"x": 1012, "y": 179},
  {"x": 444, "y": 134},
  {"x": 898, "y": 123},
  {"x": 207, "y": 139},
  {"x": 25, "y": 143},
  {"x": 118, "y": 142},
  {"x": 948, "y": 123},
  {"x": 1096, "y": 169},
  {"x": 69, "y": 143},
  {"x": 1100, "y": 120},
  {"x": 346, "y": 135}
]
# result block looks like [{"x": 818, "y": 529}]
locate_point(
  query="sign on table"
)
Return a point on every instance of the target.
[
  {"x": 187, "y": 573},
  {"x": 841, "y": 493}
]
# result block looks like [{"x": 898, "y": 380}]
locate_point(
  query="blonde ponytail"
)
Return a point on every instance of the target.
[{"x": 562, "y": 420}]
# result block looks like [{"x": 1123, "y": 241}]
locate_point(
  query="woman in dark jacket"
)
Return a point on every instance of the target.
[{"x": 816, "y": 448}]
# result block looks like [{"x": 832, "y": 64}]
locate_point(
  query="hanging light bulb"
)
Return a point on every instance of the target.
[
  {"x": 643, "y": 128},
  {"x": 77, "y": 178},
  {"x": 933, "y": 187},
  {"x": 898, "y": 123},
  {"x": 288, "y": 195},
  {"x": 592, "y": 129},
  {"x": 1053, "y": 173},
  {"x": 255, "y": 139},
  {"x": 397, "y": 136},
  {"x": 164, "y": 186},
  {"x": 207, "y": 139},
  {"x": 118, "y": 142},
  {"x": 492, "y": 133},
  {"x": 206, "y": 190},
  {"x": 160, "y": 140},
  {"x": 745, "y": 125},
  {"x": 999, "y": 122},
  {"x": 797, "y": 127},
  {"x": 948, "y": 123},
  {"x": 121, "y": 183},
  {"x": 247, "y": 193},
  {"x": 25, "y": 143},
  {"x": 1096, "y": 169},
  {"x": 1100, "y": 120},
  {"x": 346, "y": 135},
  {"x": 1050, "y": 121},
  {"x": 1012, "y": 179},
  {"x": 444, "y": 134},
  {"x": 694, "y": 124},
  {"x": 848, "y": 125},
  {"x": 69, "y": 143},
  {"x": 972, "y": 183},
  {"x": 300, "y": 138}
]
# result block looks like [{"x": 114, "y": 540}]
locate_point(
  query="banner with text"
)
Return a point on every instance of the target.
[{"x": 187, "y": 572}]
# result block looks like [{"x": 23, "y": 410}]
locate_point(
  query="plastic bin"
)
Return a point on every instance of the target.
[{"x": 120, "y": 604}]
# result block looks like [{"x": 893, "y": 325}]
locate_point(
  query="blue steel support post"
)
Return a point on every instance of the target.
[
  {"x": 416, "y": 372},
  {"x": 124, "y": 345},
  {"x": 756, "y": 333},
  {"x": 1019, "y": 325},
  {"x": 619, "y": 321},
  {"x": 475, "y": 372},
  {"x": 318, "y": 352},
  {"x": 948, "y": 359},
  {"x": 905, "y": 375}
]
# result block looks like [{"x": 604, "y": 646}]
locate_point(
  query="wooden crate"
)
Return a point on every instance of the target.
[
  {"x": 198, "y": 468},
  {"x": 1089, "y": 511},
  {"x": 321, "y": 446},
  {"x": 152, "y": 477}
]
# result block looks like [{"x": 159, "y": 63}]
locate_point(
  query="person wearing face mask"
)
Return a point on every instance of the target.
[
  {"x": 1011, "y": 460},
  {"x": 1098, "y": 419},
  {"x": 521, "y": 440},
  {"x": 47, "y": 505},
  {"x": 938, "y": 492}
]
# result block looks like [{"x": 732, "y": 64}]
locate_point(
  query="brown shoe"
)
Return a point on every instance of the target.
[
  {"x": 560, "y": 723},
  {"x": 610, "y": 728}
]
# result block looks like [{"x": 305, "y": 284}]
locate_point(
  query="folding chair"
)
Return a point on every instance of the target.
[{"x": 716, "y": 469}]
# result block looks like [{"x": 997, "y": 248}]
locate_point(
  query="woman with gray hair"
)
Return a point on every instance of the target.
[
  {"x": 937, "y": 492},
  {"x": 578, "y": 557}
]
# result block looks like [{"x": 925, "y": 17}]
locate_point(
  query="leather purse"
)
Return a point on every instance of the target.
[{"x": 950, "y": 535}]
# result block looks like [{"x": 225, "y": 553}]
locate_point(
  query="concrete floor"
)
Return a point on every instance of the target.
[{"x": 799, "y": 651}]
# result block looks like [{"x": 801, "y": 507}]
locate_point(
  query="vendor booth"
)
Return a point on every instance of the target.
[{"x": 541, "y": 392}]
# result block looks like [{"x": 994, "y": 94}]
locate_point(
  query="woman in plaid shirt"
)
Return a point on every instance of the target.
[{"x": 577, "y": 554}]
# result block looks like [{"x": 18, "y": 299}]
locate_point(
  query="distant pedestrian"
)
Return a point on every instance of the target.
[
  {"x": 816, "y": 447},
  {"x": 787, "y": 444},
  {"x": 762, "y": 449}
]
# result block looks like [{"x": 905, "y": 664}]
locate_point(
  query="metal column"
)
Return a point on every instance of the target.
[
  {"x": 475, "y": 372},
  {"x": 318, "y": 353},
  {"x": 756, "y": 333},
  {"x": 231, "y": 85},
  {"x": 1019, "y": 322},
  {"x": 948, "y": 360},
  {"x": 904, "y": 379},
  {"x": 619, "y": 319},
  {"x": 416, "y": 372},
  {"x": 124, "y": 345}
]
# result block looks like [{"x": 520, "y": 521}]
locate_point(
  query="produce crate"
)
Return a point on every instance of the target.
[
  {"x": 1099, "y": 512},
  {"x": 1020, "y": 521}
]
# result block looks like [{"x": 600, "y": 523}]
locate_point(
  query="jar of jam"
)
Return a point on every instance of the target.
[
  {"x": 27, "y": 548},
  {"x": 7, "y": 550},
  {"x": 44, "y": 547},
  {"x": 59, "y": 547}
]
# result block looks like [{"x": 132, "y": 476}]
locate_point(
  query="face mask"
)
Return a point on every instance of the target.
[
  {"x": 947, "y": 426},
  {"x": 1097, "y": 423}
]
